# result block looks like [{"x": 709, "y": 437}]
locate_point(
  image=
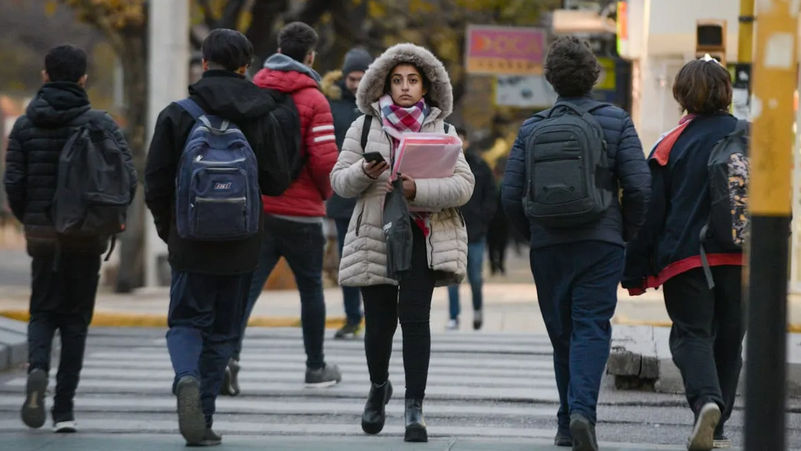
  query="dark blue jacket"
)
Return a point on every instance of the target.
[
  {"x": 627, "y": 161},
  {"x": 345, "y": 111},
  {"x": 679, "y": 206}
]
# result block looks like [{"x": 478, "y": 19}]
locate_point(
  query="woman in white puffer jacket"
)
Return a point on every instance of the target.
[{"x": 408, "y": 90}]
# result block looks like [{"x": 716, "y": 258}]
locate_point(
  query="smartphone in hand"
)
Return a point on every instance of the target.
[{"x": 373, "y": 157}]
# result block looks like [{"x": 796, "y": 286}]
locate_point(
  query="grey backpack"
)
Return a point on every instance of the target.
[{"x": 568, "y": 179}]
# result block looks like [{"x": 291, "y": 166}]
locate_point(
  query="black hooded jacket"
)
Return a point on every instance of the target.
[
  {"x": 231, "y": 96},
  {"x": 34, "y": 147}
]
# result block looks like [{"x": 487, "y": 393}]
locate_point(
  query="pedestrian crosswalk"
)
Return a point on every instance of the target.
[{"x": 479, "y": 385}]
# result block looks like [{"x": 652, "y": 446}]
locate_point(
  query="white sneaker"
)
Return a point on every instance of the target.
[
  {"x": 453, "y": 324},
  {"x": 701, "y": 438},
  {"x": 64, "y": 427}
]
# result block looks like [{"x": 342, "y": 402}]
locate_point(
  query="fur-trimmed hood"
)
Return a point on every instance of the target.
[
  {"x": 372, "y": 86},
  {"x": 331, "y": 85}
]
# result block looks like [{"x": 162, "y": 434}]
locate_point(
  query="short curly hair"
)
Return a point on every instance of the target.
[
  {"x": 570, "y": 67},
  {"x": 703, "y": 87}
]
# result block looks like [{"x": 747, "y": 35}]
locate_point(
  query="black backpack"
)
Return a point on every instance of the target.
[
  {"x": 93, "y": 185},
  {"x": 728, "y": 169},
  {"x": 285, "y": 132},
  {"x": 568, "y": 179}
]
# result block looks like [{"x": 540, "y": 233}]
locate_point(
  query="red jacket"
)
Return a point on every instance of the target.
[{"x": 306, "y": 195}]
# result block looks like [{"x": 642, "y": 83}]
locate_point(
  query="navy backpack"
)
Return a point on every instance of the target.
[{"x": 217, "y": 195}]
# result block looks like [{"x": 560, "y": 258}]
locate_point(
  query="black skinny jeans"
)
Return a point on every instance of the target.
[
  {"x": 62, "y": 298},
  {"x": 410, "y": 302},
  {"x": 707, "y": 335}
]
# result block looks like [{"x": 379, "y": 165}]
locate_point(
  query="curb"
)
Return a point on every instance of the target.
[
  {"x": 13, "y": 343},
  {"x": 109, "y": 319}
]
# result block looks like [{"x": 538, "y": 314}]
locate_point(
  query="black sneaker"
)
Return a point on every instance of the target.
[
  {"x": 210, "y": 438},
  {"x": 327, "y": 376},
  {"x": 230, "y": 385},
  {"x": 702, "y": 436},
  {"x": 562, "y": 438},
  {"x": 33, "y": 409},
  {"x": 583, "y": 433},
  {"x": 191, "y": 421},
  {"x": 719, "y": 439},
  {"x": 478, "y": 319},
  {"x": 348, "y": 331},
  {"x": 64, "y": 423}
]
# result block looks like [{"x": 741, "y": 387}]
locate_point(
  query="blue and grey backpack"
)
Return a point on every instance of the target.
[{"x": 217, "y": 195}]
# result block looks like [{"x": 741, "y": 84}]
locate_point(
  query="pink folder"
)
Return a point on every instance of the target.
[{"x": 427, "y": 155}]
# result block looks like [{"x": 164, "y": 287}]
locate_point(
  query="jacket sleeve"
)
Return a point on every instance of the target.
[
  {"x": 119, "y": 138},
  {"x": 16, "y": 174},
  {"x": 514, "y": 181},
  {"x": 347, "y": 177},
  {"x": 453, "y": 191},
  {"x": 635, "y": 179},
  {"x": 160, "y": 172},
  {"x": 641, "y": 251},
  {"x": 320, "y": 144}
]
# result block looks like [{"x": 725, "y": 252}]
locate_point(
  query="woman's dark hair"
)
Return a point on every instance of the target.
[
  {"x": 426, "y": 82},
  {"x": 703, "y": 87},
  {"x": 65, "y": 63},
  {"x": 570, "y": 67},
  {"x": 296, "y": 40},
  {"x": 229, "y": 49}
]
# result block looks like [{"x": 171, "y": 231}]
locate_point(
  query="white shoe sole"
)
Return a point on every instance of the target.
[
  {"x": 325, "y": 384},
  {"x": 63, "y": 427},
  {"x": 701, "y": 438}
]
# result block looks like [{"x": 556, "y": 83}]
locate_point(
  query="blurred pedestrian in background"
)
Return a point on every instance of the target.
[
  {"x": 340, "y": 87},
  {"x": 406, "y": 89},
  {"x": 477, "y": 213},
  {"x": 706, "y": 309}
]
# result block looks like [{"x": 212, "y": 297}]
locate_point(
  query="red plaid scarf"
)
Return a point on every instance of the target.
[{"x": 406, "y": 120}]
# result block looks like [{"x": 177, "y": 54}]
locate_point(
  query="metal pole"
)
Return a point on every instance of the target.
[{"x": 770, "y": 203}]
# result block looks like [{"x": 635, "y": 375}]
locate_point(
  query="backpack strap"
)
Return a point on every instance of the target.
[
  {"x": 191, "y": 107},
  {"x": 368, "y": 122}
]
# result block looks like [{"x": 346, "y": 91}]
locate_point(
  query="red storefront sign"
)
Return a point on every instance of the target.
[{"x": 504, "y": 50}]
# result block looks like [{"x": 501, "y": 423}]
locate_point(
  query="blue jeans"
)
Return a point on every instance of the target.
[
  {"x": 301, "y": 244},
  {"x": 475, "y": 262},
  {"x": 350, "y": 295},
  {"x": 204, "y": 318},
  {"x": 577, "y": 291}
]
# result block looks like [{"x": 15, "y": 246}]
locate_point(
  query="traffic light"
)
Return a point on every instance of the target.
[{"x": 710, "y": 37}]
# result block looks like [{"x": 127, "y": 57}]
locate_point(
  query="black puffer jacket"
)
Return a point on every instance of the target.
[
  {"x": 480, "y": 209},
  {"x": 345, "y": 111},
  {"x": 34, "y": 147},
  {"x": 231, "y": 96}
]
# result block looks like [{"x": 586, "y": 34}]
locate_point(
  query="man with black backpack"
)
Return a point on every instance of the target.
[
  {"x": 69, "y": 179},
  {"x": 293, "y": 223},
  {"x": 562, "y": 186},
  {"x": 211, "y": 157}
]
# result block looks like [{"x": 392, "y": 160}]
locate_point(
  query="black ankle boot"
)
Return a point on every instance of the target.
[
  {"x": 374, "y": 414},
  {"x": 415, "y": 424}
]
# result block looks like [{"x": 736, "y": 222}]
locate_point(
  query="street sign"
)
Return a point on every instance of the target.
[
  {"x": 504, "y": 50},
  {"x": 524, "y": 91}
]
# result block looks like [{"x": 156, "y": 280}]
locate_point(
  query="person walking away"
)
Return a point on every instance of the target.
[
  {"x": 228, "y": 135},
  {"x": 340, "y": 88},
  {"x": 60, "y": 134},
  {"x": 477, "y": 213},
  {"x": 293, "y": 221},
  {"x": 704, "y": 302},
  {"x": 561, "y": 186},
  {"x": 406, "y": 89},
  {"x": 498, "y": 230}
]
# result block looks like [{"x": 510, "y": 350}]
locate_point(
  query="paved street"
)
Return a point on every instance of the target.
[{"x": 485, "y": 391}]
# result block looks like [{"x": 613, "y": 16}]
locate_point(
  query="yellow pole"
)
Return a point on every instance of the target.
[
  {"x": 770, "y": 196},
  {"x": 745, "y": 38}
]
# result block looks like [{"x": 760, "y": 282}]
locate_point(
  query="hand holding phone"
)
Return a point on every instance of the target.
[{"x": 372, "y": 157}]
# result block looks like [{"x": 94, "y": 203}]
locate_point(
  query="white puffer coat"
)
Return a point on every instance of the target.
[{"x": 364, "y": 257}]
